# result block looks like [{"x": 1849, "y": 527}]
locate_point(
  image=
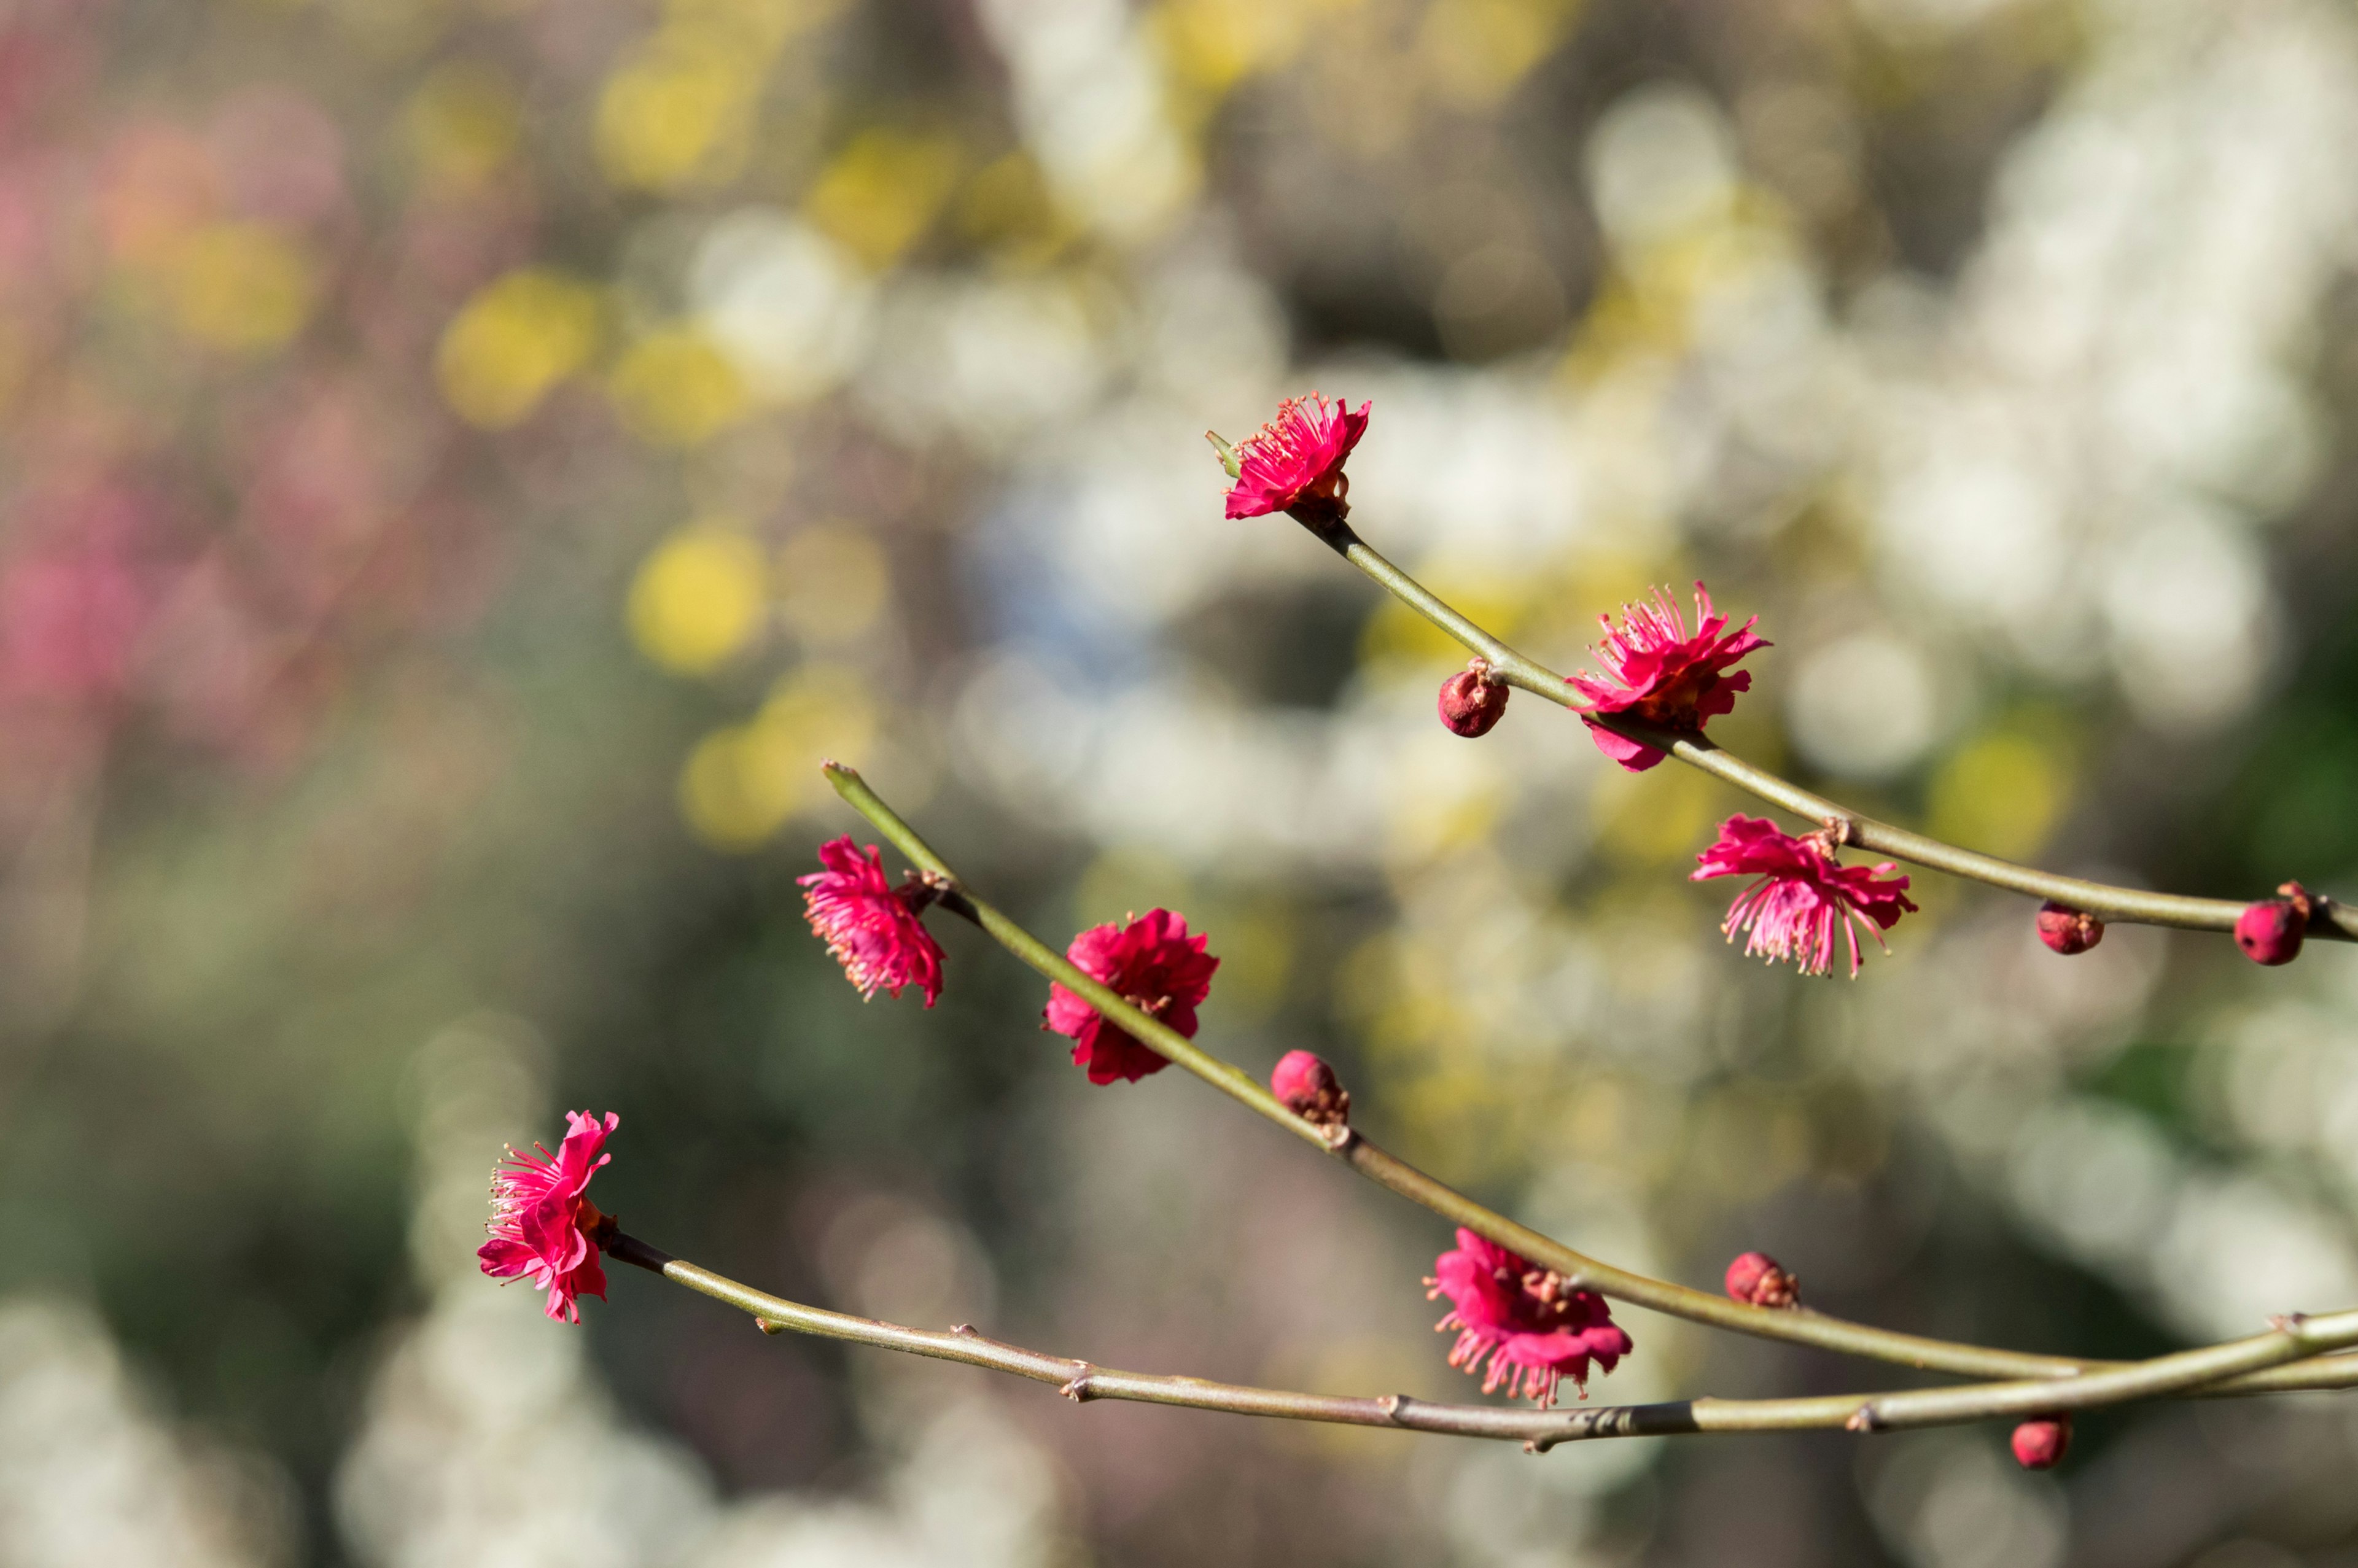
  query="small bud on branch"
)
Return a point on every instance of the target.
[{"x": 2068, "y": 931}]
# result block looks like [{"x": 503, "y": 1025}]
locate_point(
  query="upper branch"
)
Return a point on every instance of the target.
[{"x": 2135, "y": 905}]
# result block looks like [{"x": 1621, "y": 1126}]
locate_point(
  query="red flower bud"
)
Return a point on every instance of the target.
[
  {"x": 2269, "y": 932},
  {"x": 2040, "y": 1444},
  {"x": 1471, "y": 702},
  {"x": 2067, "y": 930},
  {"x": 1307, "y": 1086},
  {"x": 1760, "y": 1279}
]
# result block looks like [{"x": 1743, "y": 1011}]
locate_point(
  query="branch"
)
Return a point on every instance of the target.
[
  {"x": 2134, "y": 905},
  {"x": 1538, "y": 1431},
  {"x": 1795, "y": 1326}
]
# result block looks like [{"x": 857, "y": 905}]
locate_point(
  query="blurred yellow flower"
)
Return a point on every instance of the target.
[
  {"x": 678, "y": 111},
  {"x": 461, "y": 123},
  {"x": 698, "y": 599},
  {"x": 244, "y": 287},
  {"x": 741, "y": 783},
  {"x": 1477, "y": 51},
  {"x": 832, "y": 583},
  {"x": 2001, "y": 794},
  {"x": 881, "y": 191},
  {"x": 675, "y": 388},
  {"x": 513, "y": 342}
]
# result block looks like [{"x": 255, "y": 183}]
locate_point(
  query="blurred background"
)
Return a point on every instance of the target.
[{"x": 465, "y": 461}]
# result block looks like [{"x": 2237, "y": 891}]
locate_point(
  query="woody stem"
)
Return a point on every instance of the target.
[
  {"x": 2132, "y": 905},
  {"x": 1397, "y": 1174},
  {"x": 1540, "y": 1429}
]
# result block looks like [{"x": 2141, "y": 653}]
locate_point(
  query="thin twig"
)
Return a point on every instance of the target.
[
  {"x": 1678, "y": 1300},
  {"x": 1537, "y": 1430},
  {"x": 2132, "y": 905}
]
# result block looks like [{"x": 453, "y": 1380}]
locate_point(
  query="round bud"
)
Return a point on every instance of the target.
[
  {"x": 2067, "y": 930},
  {"x": 1760, "y": 1279},
  {"x": 2270, "y": 931},
  {"x": 1471, "y": 702},
  {"x": 2040, "y": 1444},
  {"x": 1307, "y": 1086}
]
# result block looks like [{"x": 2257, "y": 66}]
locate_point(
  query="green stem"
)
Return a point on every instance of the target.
[
  {"x": 1798, "y": 1327},
  {"x": 1538, "y": 1430},
  {"x": 2134, "y": 905}
]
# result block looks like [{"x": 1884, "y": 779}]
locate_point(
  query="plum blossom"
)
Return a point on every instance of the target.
[
  {"x": 1531, "y": 1328},
  {"x": 1155, "y": 965},
  {"x": 1802, "y": 896},
  {"x": 871, "y": 927},
  {"x": 1294, "y": 463},
  {"x": 542, "y": 1227},
  {"x": 1663, "y": 675}
]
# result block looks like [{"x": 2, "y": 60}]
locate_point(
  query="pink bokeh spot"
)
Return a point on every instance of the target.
[
  {"x": 1294, "y": 463},
  {"x": 870, "y": 927},
  {"x": 1521, "y": 1326},
  {"x": 1663, "y": 675},
  {"x": 543, "y": 1226},
  {"x": 1803, "y": 896},
  {"x": 1154, "y": 964}
]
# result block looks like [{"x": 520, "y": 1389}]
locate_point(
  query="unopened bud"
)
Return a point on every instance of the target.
[
  {"x": 2040, "y": 1444},
  {"x": 1472, "y": 702},
  {"x": 1760, "y": 1279},
  {"x": 2270, "y": 931},
  {"x": 1307, "y": 1086},
  {"x": 1228, "y": 459},
  {"x": 2067, "y": 930}
]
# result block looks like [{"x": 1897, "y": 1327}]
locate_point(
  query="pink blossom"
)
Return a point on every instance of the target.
[
  {"x": 542, "y": 1227},
  {"x": 1664, "y": 677},
  {"x": 1155, "y": 965},
  {"x": 1802, "y": 896},
  {"x": 870, "y": 926},
  {"x": 1294, "y": 463},
  {"x": 1530, "y": 1327}
]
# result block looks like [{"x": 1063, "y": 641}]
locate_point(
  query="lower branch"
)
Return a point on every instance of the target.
[
  {"x": 2134, "y": 905},
  {"x": 1538, "y": 1431},
  {"x": 1794, "y": 1326}
]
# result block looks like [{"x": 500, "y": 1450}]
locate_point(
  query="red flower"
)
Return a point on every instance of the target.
[
  {"x": 870, "y": 926},
  {"x": 1804, "y": 894},
  {"x": 1294, "y": 463},
  {"x": 1156, "y": 967},
  {"x": 1526, "y": 1323},
  {"x": 2067, "y": 930},
  {"x": 1665, "y": 676},
  {"x": 542, "y": 1227}
]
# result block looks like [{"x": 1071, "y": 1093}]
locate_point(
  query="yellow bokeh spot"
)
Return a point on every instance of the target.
[
  {"x": 462, "y": 124},
  {"x": 244, "y": 288},
  {"x": 881, "y": 191},
  {"x": 696, "y": 601},
  {"x": 1006, "y": 206},
  {"x": 1655, "y": 817},
  {"x": 832, "y": 583},
  {"x": 513, "y": 342},
  {"x": 1477, "y": 51},
  {"x": 678, "y": 111},
  {"x": 741, "y": 783},
  {"x": 675, "y": 388},
  {"x": 2001, "y": 794}
]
